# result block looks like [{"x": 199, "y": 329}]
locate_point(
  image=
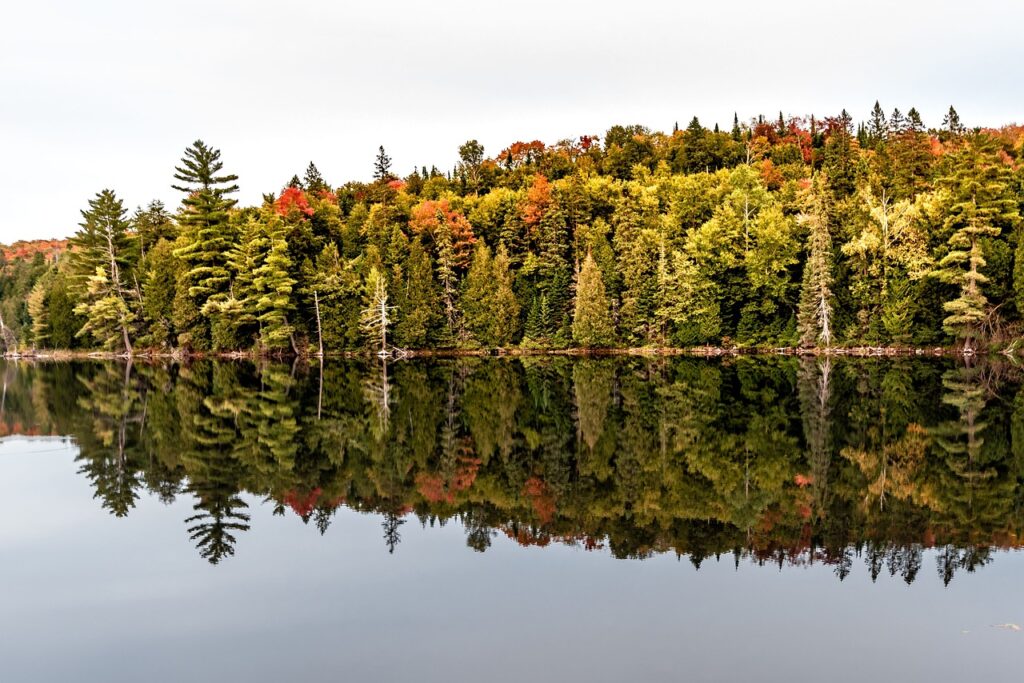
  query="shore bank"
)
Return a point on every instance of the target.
[{"x": 695, "y": 351}]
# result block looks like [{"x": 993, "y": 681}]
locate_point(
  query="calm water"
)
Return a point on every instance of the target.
[{"x": 510, "y": 520}]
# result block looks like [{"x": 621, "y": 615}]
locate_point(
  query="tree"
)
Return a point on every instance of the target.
[
  {"x": 382, "y": 166},
  {"x": 982, "y": 202},
  {"x": 152, "y": 225},
  {"x": 313, "y": 182},
  {"x": 207, "y": 236},
  {"x": 471, "y": 156},
  {"x": 591, "y": 322},
  {"x": 377, "y": 314},
  {"x": 101, "y": 243},
  {"x": 814, "y": 319}
]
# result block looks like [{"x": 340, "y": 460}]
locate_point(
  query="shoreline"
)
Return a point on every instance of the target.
[{"x": 693, "y": 351}]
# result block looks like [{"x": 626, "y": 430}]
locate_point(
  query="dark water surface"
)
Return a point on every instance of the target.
[{"x": 539, "y": 519}]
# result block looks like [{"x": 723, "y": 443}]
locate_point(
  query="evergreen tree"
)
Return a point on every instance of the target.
[
  {"x": 592, "y": 323},
  {"x": 313, "y": 182},
  {"x": 207, "y": 236},
  {"x": 814, "y": 318},
  {"x": 159, "y": 283},
  {"x": 418, "y": 301},
  {"x": 151, "y": 225},
  {"x": 982, "y": 203},
  {"x": 102, "y": 243},
  {"x": 382, "y": 166},
  {"x": 506, "y": 309}
]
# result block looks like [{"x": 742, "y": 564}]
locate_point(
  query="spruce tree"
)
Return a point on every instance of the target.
[{"x": 592, "y": 323}]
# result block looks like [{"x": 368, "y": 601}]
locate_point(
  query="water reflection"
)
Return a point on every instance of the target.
[{"x": 770, "y": 460}]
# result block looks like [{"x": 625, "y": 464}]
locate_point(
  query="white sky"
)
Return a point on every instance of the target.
[{"x": 106, "y": 93}]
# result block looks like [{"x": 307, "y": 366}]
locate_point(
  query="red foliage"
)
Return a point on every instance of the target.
[
  {"x": 302, "y": 503},
  {"x": 587, "y": 141},
  {"x": 541, "y": 499},
  {"x": 293, "y": 199},
  {"x": 26, "y": 249},
  {"x": 396, "y": 184},
  {"x": 803, "y": 480}
]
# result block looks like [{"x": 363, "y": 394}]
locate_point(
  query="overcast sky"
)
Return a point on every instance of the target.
[{"x": 108, "y": 93}]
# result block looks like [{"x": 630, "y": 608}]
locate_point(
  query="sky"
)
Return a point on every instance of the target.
[{"x": 108, "y": 94}]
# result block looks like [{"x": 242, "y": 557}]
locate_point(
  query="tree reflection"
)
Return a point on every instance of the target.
[{"x": 772, "y": 460}]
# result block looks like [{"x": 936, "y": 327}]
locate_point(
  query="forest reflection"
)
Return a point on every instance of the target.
[{"x": 768, "y": 460}]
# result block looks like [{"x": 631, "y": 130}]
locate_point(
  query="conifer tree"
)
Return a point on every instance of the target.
[
  {"x": 382, "y": 166},
  {"x": 313, "y": 182},
  {"x": 418, "y": 301},
  {"x": 814, "y": 315},
  {"x": 272, "y": 287},
  {"x": 477, "y": 295},
  {"x": 159, "y": 281},
  {"x": 592, "y": 324},
  {"x": 982, "y": 204},
  {"x": 207, "y": 236},
  {"x": 505, "y": 311},
  {"x": 102, "y": 242},
  {"x": 377, "y": 314}
]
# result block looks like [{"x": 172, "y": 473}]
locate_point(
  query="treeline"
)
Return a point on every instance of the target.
[
  {"x": 776, "y": 232},
  {"x": 777, "y": 460}
]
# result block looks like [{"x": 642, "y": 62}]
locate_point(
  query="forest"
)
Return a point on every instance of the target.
[
  {"x": 764, "y": 459},
  {"x": 788, "y": 232}
]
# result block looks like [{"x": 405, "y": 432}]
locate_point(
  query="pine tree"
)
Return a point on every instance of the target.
[
  {"x": 592, "y": 323},
  {"x": 313, "y": 182},
  {"x": 272, "y": 287},
  {"x": 382, "y": 166},
  {"x": 107, "y": 315},
  {"x": 102, "y": 242},
  {"x": 159, "y": 281},
  {"x": 207, "y": 237},
  {"x": 983, "y": 202},
  {"x": 951, "y": 123},
  {"x": 878, "y": 127},
  {"x": 814, "y": 315},
  {"x": 153, "y": 224}
]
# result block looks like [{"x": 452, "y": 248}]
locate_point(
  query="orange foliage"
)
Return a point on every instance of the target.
[
  {"x": 434, "y": 488},
  {"x": 431, "y": 216},
  {"x": 519, "y": 153},
  {"x": 538, "y": 199},
  {"x": 396, "y": 184},
  {"x": 771, "y": 175},
  {"x": 803, "y": 480}
]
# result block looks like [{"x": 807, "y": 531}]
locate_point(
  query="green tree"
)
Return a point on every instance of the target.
[
  {"x": 592, "y": 324},
  {"x": 207, "y": 236},
  {"x": 814, "y": 316}
]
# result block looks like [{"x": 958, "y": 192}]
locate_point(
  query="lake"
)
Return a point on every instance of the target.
[{"x": 536, "y": 518}]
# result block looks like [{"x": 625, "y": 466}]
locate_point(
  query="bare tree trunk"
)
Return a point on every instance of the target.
[{"x": 319, "y": 331}]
